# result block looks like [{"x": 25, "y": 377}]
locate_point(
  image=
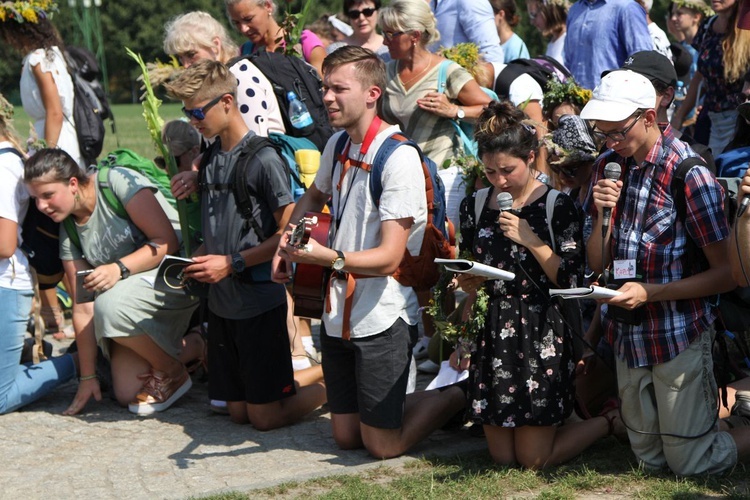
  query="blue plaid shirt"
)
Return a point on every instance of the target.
[{"x": 646, "y": 228}]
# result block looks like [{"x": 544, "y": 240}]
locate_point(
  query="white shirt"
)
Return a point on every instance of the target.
[
  {"x": 14, "y": 202},
  {"x": 555, "y": 49},
  {"x": 524, "y": 88},
  {"x": 378, "y": 302}
]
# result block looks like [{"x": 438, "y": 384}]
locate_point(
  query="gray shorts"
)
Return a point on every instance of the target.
[{"x": 369, "y": 375}]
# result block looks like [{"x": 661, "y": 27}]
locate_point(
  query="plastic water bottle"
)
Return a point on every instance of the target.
[
  {"x": 298, "y": 113},
  {"x": 679, "y": 95}
]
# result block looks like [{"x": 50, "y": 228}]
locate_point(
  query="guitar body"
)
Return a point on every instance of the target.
[{"x": 310, "y": 280}]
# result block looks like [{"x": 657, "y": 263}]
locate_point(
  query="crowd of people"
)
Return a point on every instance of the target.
[{"x": 590, "y": 168}]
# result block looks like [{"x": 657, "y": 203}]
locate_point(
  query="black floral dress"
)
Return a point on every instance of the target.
[{"x": 522, "y": 369}]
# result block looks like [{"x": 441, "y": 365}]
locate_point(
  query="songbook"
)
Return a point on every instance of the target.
[
  {"x": 586, "y": 292},
  {"x": 170, "y": 278},
  {"x": 476, "y": 268}
]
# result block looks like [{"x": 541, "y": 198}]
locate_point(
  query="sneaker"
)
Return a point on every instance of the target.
[
  {"x": 428, "y": 366},
  {"x": 420, "y": 350},
  {"x": 159, "y": 393},
  {"x": 218, "y": 406}
]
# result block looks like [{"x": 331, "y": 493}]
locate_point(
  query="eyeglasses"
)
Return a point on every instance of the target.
[
  {"x": 200, "y": 113},
  {"x": 617, "y": 135},
  {"x": 390, "y": 35},
  {"x": 354, "y": 14}
]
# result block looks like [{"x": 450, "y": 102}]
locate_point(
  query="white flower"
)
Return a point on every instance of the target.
[
  {"x": 532, "y": 384},
  {"x": 548, "y": 352},
  {"x": 479, "y": 405}
]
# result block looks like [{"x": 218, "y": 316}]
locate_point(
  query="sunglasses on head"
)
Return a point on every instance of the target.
[
  {"x": 200, "y": 113},
  {"x": 354, "y": 14}
]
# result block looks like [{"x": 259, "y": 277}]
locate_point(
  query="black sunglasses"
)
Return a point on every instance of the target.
[
  {"x": 354, "y": 14},
  {"x": 200, "y": 113}
]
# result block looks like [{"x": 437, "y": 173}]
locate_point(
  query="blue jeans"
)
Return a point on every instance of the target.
[{"x": 22, "y": 384}]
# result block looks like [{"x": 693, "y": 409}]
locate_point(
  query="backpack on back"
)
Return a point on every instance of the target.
[
  {"x": 83, "y": 62},
  {"x": 733, "y": 306},
  {"x": 40, "y": 241},
  {"x": 417, "y": 271},
  {"x": 542, "y": 69},
  {"x": 124, "y": 158},
  {"x": 287, "y": 73},
  {"x": 286, "y": 146},
  {"x": 88, "y": 115}
]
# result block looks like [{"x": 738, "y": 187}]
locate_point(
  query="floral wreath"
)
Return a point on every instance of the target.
[
  {"x": 558, "y": 93},
  {"x": 26, "y": 11},
  {"x": 6, "y": 109},
  {"x": 465, "y": 55},
  {"x": 695, "y": 5},
  {"x": 559, "y": 3},
  {"x": 459, "y": 333}
]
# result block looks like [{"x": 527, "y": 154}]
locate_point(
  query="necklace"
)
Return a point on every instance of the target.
[{"x": 414, "y": 77}]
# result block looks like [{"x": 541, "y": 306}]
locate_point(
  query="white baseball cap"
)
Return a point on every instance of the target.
[{"x": 618, "y": 95}]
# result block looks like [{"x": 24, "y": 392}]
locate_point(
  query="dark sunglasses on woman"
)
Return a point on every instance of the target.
[{"x": 354, "y": 14}]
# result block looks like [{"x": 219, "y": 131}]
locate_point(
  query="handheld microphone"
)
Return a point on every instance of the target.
[
  {"x": 611, "y": 172},
  {"x": 743, "y": 206},
  {"x": 505, "y": 203}
]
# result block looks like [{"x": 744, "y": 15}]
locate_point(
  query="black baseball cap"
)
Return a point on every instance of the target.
[{"x": 652, "y": 65}]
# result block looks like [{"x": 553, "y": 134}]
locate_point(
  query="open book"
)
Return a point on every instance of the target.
[
  {"x": 467, "y": 266},
  {"x": 170, "y": 279},
  {"x": 587, "y": 292}
]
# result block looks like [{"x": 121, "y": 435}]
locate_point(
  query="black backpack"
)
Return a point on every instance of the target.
[
  {"x": 83, "y": 61},
  {"x": 542, "y": 69},
  {"x": 734, "y": 306},
  {"x": 88, "y": 113},
  {"x": 40, "y": 241},
  {"x": 288, "y": 73}
]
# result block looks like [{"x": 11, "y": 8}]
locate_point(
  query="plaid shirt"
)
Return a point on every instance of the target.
[{"x": 648, "y": 230}]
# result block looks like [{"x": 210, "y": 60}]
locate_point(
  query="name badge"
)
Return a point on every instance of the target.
[{"x": 624, "y": 269}]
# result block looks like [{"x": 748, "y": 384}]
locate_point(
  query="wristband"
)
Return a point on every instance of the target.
[{"x": 87, "y": 377}]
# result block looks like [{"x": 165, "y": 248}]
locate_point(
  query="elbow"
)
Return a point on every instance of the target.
[{"x": 739, "y": 277}]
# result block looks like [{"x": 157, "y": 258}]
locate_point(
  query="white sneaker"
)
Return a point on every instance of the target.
[
  {"x": 219, "y": 407},
  {"x": 428, "y": 366},
  {"x": 420, "y": 350}
]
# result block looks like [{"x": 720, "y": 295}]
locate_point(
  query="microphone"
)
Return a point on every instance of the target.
[
  {"x": 611, "y": 172},
  {"x": 743, "y": 206},
  {"x": 505, "y": 203}
]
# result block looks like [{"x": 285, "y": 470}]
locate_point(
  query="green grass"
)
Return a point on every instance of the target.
[
  {"x": 606, "y": 470},
  {"x": 131, "y": 129}
]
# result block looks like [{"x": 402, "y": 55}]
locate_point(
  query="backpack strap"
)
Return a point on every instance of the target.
[
  {"x": 442, "y": 79},
  {"x": 552, "y": 195},
  {"x": 13, "y": 151}
]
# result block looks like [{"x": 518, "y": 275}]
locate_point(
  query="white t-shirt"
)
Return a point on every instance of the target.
[
  {"x": 524, "y": 88},
  {"x": 555, "y": 49},
  {"x": 14, "y": 202},
  {"x": 378, "y": 302},
  {"x": 50, "y": 62}
]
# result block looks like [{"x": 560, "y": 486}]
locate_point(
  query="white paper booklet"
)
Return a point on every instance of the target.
[
  {"x": 587, "y": 292},
  {"x": 467, "y": 266},
  {"x": 447, "y": 376}
]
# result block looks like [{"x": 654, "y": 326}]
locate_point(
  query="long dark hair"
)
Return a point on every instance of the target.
[{"x": 27, "y": 37}]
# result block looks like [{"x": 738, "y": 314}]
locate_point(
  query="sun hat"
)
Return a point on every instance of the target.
[{"x": 618, "y": 95}]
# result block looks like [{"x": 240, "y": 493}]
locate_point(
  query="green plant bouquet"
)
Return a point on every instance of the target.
[{"x": 154, "y": 122}]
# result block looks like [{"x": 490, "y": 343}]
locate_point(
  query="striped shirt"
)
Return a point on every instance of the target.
[{"x": 646, "y": 228}]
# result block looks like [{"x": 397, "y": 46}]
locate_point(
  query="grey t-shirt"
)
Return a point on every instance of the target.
[
  {"x": 106, "y": 237},
  {"x": 225, "y": 232}
]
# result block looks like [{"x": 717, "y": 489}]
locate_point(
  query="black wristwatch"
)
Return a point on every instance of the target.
[
  {"x": 124, "y": 271},
  {"x": 238, "y": 263}
]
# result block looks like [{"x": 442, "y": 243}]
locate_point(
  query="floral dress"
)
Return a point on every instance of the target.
[{"x": 522, "y": 368}]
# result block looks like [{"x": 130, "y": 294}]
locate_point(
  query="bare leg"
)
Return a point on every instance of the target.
[
  {"x": 541, "y": 447},
  {"x": 435, "y": 408},
  {"x": 193, "y": 347},
  {"x": 127, "y": 366},
  {"x": 266, "y": 417},
  {"x": 501, "y": 443}
]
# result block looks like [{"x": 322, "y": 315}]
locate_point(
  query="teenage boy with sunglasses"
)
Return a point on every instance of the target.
[
  {"x": 660, "y": 326},
  {"x": 248, "y": 346}
]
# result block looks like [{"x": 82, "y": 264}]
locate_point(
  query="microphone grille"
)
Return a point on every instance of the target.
[
  {"x": 504, "y": 201},
  {"x": 612, "y": 171}
]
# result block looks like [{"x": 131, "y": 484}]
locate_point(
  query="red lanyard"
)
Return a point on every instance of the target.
[{"x": 347, "y": 163}]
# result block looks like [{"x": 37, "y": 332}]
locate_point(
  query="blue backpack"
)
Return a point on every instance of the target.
[{"x": 417, "y": 271}]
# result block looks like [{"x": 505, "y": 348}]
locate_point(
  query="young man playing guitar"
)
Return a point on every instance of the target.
[{"x": 369, "y": 322}]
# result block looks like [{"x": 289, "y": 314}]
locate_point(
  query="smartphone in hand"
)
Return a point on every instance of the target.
[{"x": 82, "y": 294}]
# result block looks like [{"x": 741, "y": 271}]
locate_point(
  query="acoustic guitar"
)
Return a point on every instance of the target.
[{"x": 310, "y": 280}]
